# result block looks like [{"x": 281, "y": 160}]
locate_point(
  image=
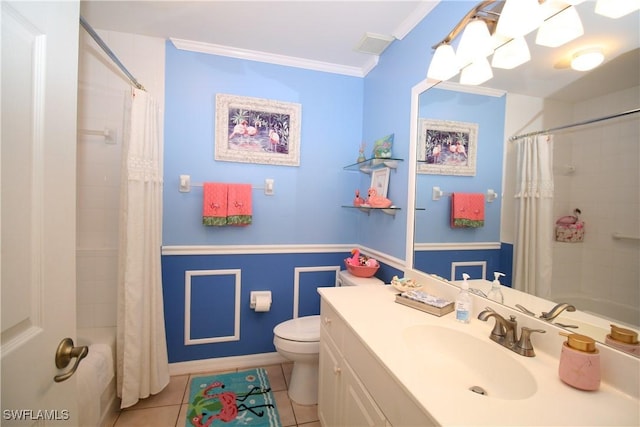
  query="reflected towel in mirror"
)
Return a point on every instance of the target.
[{"x": 467, "y": 210}]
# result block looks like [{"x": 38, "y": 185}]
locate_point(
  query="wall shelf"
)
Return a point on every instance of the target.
[
  {"x": 366, "y": 166},
  {"x": 367, "y": 209}
]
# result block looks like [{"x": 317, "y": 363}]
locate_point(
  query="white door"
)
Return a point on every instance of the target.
[{"x": 37, "y": 216}]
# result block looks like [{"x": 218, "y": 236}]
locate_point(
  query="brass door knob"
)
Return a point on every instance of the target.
[{"x": 65, "y": 352}]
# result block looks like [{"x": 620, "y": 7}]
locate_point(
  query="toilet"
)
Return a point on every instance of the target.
[{"x": 298, "y": 340}]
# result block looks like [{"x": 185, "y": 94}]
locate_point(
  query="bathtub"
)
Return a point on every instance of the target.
[{"x": 97, "y": 401}]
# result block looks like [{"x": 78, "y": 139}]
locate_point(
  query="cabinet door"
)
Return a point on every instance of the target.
[
  {"x": 359, "y": 408},
  {"x": 329, "y": 382}
]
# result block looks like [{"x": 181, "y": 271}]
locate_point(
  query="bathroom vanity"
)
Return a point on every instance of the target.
[{"x": 382, "y": 363}]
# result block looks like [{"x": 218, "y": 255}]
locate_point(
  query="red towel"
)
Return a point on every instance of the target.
[
  {"x": 239, "y": 204},
  {"x": 467, "y": 210},
  {"x": 214, "y": 203}
]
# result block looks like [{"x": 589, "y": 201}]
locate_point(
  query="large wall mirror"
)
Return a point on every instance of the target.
[{"x": 595, "y": 169}]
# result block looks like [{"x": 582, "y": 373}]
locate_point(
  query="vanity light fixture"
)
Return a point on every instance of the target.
[
  {"x": 506, "y": 22},
  {"x": 616, "y": 8},
  {"x": 587, "y": 59},
  {"x": 560, "y": 28}
]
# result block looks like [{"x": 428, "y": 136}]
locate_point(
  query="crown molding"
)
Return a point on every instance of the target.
[
  {"x": 421, "y": 11},
  {"x": 252, "y": 55}
]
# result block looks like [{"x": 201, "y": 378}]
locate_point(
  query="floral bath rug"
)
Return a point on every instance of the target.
[{"x": 234, "y": 399}]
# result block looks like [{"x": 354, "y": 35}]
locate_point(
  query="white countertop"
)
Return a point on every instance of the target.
[{"x": 374, "y": 316}]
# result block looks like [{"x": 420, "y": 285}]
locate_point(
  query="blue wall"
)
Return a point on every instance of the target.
[
  {"x": 212, "y": 308},
  {"x": 338, "y": 113},
  {"x": 305, "y": 210},
  {"x": 432, "y": 224},
  {"x": 306, "y": 206},
  {"x": 387, "y": 108}
]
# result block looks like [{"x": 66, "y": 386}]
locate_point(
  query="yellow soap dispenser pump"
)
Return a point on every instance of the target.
[{"x": 495, "y": 293}]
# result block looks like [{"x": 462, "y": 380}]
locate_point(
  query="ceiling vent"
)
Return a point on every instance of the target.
[{"x": 374, "y": 43}]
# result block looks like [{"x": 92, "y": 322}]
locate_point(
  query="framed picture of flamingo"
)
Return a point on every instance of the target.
[
  {"x": 447, "y": 147},
  {"x": 256, "y": 130}
]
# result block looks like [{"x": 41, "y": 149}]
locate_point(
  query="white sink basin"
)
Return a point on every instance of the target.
[{"x": 464, "y": 361}]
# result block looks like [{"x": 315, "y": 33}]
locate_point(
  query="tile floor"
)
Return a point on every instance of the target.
[{"x": 168, "y": 408}]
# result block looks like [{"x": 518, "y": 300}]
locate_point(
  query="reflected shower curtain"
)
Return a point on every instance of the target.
[
  {"x": 534, "y": 215},
  {"x": 142, "y": 363}
]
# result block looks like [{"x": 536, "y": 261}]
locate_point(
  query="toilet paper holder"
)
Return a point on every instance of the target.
[{"x": 262, "y": 296}]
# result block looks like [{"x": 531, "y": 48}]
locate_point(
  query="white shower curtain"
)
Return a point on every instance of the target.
[
  {"x": 534, "y": 213},
  {"x": 142, "y": 363}
]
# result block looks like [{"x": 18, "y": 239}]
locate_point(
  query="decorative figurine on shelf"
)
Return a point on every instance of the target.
[
  {"x": 358, "y": 201},
  {"x": 361, "y": 157},
  {"x": 376, "y": 201},
  {"x": 382, "y": 147}
]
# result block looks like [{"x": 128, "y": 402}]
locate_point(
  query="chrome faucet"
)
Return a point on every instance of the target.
[
  {"x": 505, "y": 333},
  {"x": 555, "y": 311}
]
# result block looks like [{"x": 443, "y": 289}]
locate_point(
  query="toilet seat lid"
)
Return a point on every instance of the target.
[{"x": 304, "y": 329}]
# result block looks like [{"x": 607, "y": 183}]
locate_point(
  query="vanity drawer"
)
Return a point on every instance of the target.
[{"x": 332, "y": 323}]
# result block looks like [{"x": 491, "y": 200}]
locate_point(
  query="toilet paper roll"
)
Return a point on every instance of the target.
[{"x": 263, "y": 303}]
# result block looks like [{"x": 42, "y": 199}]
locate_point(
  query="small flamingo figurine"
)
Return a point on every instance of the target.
[
  {"x": 358, "y": 201},
  {"x": 376, "y": 201}
]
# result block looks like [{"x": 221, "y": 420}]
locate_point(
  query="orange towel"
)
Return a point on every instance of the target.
[
  {"x": 467, "y": 210},
  {"x": 239, "y": 204},
  {"x": 214, "y": 206}
]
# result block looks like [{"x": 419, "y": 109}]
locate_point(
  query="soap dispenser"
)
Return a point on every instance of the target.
[
  {"x": 464, "y": 303},
  {"x": 495, "y": 293},
  {"x": 624, "y": 339},
  {"x": 580, "y": 362}
]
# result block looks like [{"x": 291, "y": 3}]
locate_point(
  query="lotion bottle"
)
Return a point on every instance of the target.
[
  {"x": 464, "y": 303},
  {"x": 495, "y": 293}
]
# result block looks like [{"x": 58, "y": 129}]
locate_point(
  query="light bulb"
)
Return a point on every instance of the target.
[
  {"x": 475, "y": 43},
  {"x": 519, "y": 18},
  {"x": 560, "y": 28},
  {"x": 476, "y": 73},
  {"x": 444, "y": 64},
  {"x": 616, "y": 8},
  {"x": 511, "y": 54}
]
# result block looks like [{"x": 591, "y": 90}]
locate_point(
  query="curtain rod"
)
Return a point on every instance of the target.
[
  {"x": 586, "y": 122},
  {"x": 109, "y": 52}
]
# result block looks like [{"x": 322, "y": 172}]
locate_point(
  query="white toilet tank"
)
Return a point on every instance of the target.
[{"x": 347, "y": 279}]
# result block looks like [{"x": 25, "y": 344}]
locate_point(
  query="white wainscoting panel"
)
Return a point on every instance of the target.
[
  {"x": 296, "y": 282},
  {"x": 456, "y": 264},
  {"x": 187, "y": 306}
]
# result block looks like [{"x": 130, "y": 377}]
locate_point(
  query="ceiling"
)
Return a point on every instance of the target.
[{"x": 329, "y": 32}]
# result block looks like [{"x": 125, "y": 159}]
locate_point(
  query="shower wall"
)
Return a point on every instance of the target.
[
  {"x": 596, "y": 170},
  {"x": 101, "y": 95}
]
